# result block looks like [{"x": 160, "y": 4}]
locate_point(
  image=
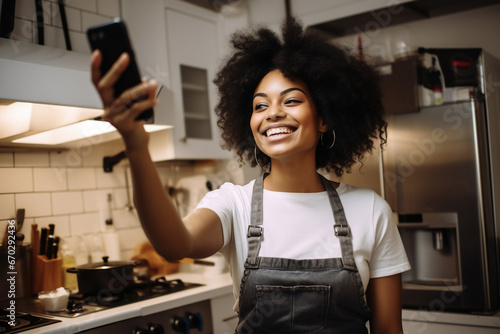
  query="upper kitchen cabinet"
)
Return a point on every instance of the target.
[
  {"x": 343, "y": 17},
  {"x": 322, "y": 12},
  {"x": 177, "y": 43}
]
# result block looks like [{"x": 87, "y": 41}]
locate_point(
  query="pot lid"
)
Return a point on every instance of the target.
[{"x": 105, "y": 264}]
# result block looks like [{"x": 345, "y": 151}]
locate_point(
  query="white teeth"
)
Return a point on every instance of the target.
[{"x": 277, "y": 131}]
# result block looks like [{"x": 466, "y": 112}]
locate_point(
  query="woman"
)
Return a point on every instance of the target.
[{"x": 307, "y": 255}]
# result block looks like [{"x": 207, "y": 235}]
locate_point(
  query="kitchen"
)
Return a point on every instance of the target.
[{"x": 69, "y": 188}]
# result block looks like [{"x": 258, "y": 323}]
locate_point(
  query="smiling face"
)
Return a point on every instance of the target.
[{"x": 284, "y": 121}]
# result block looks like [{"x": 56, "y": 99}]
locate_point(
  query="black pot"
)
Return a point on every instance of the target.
[{"x": 104, "y": 279}]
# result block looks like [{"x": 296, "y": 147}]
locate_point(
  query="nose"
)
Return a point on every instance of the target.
[{"x": 275, "y": 112}]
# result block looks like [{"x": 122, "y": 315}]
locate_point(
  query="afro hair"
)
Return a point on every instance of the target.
[{"x": 344, "y": 90}]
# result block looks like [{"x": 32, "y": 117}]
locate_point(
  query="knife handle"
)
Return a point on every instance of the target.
[
  {"x": 50, "y": 246},
  {"x": 43, "y": 241}
]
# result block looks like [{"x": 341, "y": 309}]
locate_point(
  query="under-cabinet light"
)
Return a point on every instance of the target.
[{"x": 98, "y": 130}]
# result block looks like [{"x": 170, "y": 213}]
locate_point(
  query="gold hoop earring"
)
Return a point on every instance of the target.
[{"x": 323, "y": 143}]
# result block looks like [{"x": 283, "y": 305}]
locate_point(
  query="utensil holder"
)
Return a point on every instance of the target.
[{"x": 47, "y": 274}]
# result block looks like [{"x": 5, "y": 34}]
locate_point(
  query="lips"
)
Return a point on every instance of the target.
[{"x": 279, "y": 131}]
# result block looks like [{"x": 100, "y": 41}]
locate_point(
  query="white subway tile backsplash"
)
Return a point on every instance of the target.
[
  {"x": 7, "y": 207},
  {"x": 131, "y": 237},
  {"x": 73, "y": 18},
  {"x": 81, "y": 178},
  {"x": 49, "y": 179},
  {"x": 111, "y": 180},
  {"x": 96, "y": 200},
  {"x": 54, "y": 37},
  {"x": 16, "y": 180},
  {"x": 25, "y": 10},
  {"x": 121, "y": 200},
  {"x": 70, "y": 158},
  {"x": 88, "y": 5},
  {"x": 84, "y": 224},
  {"x": 6, "y": 159},
  {"x": 48, "y": 14},
  {"x": 67, "y": 202},
  {"x": 90, "y": 19},
  {"x": 23, "y": 31},
  {"x": 79, "y": 42},
  {"x": 62, "y": 226},
  {"x": 123, "y": 218},
  {"x": 38, "y": 159},
  {"x": 36, "y": 204},
  {"x": 109, "y": 8}
]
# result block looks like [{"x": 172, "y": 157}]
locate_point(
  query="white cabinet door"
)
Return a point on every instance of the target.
[
  {"x": 177, "y": 43},
  {"x": 192, "y": 45}
]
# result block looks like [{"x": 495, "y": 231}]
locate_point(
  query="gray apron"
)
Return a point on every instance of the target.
[{"x": 301, "y": 296}]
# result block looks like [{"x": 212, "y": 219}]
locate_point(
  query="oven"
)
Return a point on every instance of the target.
[{"x": 192, "y": 318}]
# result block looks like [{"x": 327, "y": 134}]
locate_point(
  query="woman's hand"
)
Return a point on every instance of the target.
[{"x": 122, "y": 111}]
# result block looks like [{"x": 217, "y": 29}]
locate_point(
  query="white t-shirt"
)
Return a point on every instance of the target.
[{"x": 300, "y": 226}]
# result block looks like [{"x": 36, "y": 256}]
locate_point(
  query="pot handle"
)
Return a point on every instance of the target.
[{"x": 73, "y": 270}]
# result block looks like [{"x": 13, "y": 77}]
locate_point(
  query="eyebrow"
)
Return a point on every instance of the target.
[{"x": 282, "y": 93}]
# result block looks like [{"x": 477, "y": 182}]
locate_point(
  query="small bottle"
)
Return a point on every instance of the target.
[
  {"x": 438, "y": 95},
  {"x": 68, "y": 261},
  {"x": 437, "y": 85}
]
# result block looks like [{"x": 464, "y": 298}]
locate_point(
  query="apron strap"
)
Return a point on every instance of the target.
[
  {"x": 341, "y": 227},
  {"x": 255, "y": 229}
]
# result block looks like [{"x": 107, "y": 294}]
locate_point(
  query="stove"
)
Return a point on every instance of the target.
[
  {"x": 18, "y": 322},
  {"x": 81, "y": 305}
]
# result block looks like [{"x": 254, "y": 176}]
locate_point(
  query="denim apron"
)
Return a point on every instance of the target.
[{"x": 281, "y": 295}]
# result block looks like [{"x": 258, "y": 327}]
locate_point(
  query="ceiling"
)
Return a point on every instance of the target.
[{"x": 411, "y": 11}]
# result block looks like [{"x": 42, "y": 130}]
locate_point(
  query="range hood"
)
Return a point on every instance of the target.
[{"x": 47, "y": 99}]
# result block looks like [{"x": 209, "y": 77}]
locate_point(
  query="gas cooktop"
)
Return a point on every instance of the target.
[
  {"x": 18, "y": 322},
  {"x": 80, "y": 305}
]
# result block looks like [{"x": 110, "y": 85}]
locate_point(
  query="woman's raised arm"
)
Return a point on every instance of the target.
[{"x": 201, "y": 234}]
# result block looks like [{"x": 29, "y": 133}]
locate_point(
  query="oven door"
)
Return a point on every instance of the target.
[{"x": 192, "y": 318}]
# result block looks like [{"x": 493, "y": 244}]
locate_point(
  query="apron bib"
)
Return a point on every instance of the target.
[{"x": 301, "y": 296}]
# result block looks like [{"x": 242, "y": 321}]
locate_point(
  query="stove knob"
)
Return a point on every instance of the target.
[
  {"x": 140, "y": 331},
  {"x": 155, "y": 329},
  {"x": 181, "y": 325},
  {"x": 195, "y": 320}
]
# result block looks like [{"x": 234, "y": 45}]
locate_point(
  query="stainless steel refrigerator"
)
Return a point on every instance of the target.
[{"x": 441, "y": 176}]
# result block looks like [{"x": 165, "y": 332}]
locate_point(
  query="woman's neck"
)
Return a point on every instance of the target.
[{"x": 293, "y": 178}]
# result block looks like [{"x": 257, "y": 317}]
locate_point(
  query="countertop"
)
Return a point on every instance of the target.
[
  {"x": 220, "y": 285},
  {"x": 214, "y": 286},
  {"x": 465, "y": 319}
]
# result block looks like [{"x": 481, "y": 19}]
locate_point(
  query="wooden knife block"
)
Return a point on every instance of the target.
[{"x": 47, "y": 274}]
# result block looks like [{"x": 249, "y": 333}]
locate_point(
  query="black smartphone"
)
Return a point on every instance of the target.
[{"x": 111, "y": 38}]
